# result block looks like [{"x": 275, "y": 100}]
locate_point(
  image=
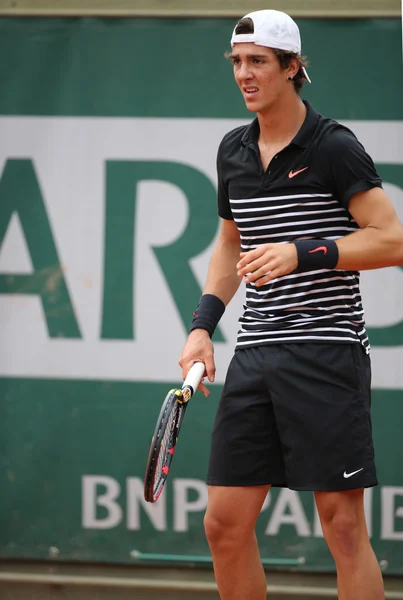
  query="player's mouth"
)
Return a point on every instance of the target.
[{"x": 250, "y": 91}]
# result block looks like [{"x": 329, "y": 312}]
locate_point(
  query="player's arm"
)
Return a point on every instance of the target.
[
  {"x": 352, "y": 176},
  {"x": 222, "y": 279},
  {"x": 379, "y": 242},
  {"x": 221, "y": 285},
  {"x": 349, "y": 173}
]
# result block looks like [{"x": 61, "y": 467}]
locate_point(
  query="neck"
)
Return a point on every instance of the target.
[{"x": 282, "y": 121}]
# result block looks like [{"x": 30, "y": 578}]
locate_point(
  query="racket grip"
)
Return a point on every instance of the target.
[{"x": 194, "y": 376}]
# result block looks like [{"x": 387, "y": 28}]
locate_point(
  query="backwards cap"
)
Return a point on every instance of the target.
[{"x": 273, "y": 29}]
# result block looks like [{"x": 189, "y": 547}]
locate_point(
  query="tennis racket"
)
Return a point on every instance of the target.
[{"x": 166, "y": 433}]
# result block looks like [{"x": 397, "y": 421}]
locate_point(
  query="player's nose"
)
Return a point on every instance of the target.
[{"x": 245, "y": 72}]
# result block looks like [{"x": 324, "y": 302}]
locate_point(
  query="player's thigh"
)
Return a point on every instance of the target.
[
  {"x": 322, "y": 405},
  {"x": 233, "y": 510},
  {"x": 245, "y": 446}
]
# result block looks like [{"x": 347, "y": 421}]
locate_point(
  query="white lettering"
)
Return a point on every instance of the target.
[
  {"x": 266, "y": 503},
  {"x": 368, "y": 496},
  {"x": 156, "y": 512},
  {"x": 317, "y": 526},
  {"x": 182, "y": 505},
  {"x": 389, "y": 513},
  {"x": 288, "y": 500},
  {"x": 90, "y": 501}
]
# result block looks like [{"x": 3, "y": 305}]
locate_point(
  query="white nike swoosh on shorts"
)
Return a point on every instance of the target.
[{"x": 347, "y": 475}]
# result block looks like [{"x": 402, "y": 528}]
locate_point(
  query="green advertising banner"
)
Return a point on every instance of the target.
[{"x": 109, "y": 131}]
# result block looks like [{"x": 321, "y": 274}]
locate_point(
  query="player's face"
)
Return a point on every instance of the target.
[{"x": 259, "y": 76}]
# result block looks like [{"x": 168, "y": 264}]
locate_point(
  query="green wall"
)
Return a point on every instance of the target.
[{"x": 109, "y": 131}]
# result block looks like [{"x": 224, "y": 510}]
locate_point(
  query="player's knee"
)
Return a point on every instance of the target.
[
  {"x": 223, "y": 532},
  {"x": 343, "y": 520},
  {"x": 214, "y": 528},
  {"x": 343, "y": 533}
]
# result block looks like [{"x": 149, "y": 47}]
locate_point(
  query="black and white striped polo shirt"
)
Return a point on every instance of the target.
[{"x": 303, "y": 194}]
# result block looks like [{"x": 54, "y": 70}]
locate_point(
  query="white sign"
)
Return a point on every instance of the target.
[
  {"x": 69, "y": 158},
  {"x": 105, "y": 493}
]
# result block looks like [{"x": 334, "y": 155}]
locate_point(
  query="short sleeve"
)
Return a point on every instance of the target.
[
  {"x": 347, "y": 166},
  {"x": 224, "y": 208}
]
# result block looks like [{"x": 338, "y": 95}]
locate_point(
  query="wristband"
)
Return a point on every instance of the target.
[
  {"x": 207, "y": 314},
  {"x": 316, "y": 254}
]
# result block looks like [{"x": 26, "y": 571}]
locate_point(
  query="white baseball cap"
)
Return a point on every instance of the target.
[{"x": 273, "y": 29}]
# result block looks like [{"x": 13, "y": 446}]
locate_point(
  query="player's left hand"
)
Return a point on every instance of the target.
[{"x": 267, "y": 262}]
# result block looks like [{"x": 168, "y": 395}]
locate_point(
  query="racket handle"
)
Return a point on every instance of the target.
[{"x": 194, "y": 376}]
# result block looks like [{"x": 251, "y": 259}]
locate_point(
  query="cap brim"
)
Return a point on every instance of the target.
[{"x": 306, "y": 75}]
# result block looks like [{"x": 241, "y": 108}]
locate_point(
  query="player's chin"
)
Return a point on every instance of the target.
[{"x": 251, "y": 104}]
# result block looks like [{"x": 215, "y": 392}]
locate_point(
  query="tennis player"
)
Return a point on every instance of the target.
[{"x": 302, "y": 212}]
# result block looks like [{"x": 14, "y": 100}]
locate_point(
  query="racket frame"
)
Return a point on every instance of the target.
[{"x": 175, "y": 399}]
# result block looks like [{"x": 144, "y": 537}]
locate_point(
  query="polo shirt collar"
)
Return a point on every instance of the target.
[{"x": 302, "y": 138}]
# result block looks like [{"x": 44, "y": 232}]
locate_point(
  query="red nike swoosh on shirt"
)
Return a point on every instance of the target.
[
  {"x": 318, "y": 249},
  {"x": 291, "y": 174}
]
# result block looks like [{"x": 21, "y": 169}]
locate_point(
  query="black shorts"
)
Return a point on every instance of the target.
[{"x": 296, "y": 416}]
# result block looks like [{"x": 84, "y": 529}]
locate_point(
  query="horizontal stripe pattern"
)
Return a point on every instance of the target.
[{"x": 319, "y": 305}]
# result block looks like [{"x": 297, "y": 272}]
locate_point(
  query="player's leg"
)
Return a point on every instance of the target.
[
  {"x": 343, "y": 522},
  {"x": 321, "y": 397},
  {"x": 230, "y": 529},
  {"x": 245, "y": 458}
]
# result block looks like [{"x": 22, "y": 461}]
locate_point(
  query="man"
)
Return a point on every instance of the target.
[{"x": 303, "y": 211}]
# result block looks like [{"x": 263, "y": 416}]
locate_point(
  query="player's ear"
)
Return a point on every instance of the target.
[{"x": 293, "y": 67}]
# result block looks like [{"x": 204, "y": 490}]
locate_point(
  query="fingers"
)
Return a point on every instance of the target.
[
  {"x": 186, "y": 365},
  {"x": 251, "y": 267},
  {"x": 259, "y": 274},
  {"x": 253, "y": 261},
  {"x": 256, "y": 272},
  {"x": 198, "y": 348},
  {"x": 204, "y": 390},
  {"x": 210, "y": 367},
  {"x": 211, "y": 374},
  {"x": 269, "y": 261},
  {"x": 248, "y": 257},
  {"x": 268, "y": 277}
]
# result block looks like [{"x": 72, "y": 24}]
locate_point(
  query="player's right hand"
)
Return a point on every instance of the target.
[{"x": 198, "y": 348}]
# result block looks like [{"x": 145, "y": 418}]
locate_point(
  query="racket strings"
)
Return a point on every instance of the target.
[{"x": 167, "y": 443}]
